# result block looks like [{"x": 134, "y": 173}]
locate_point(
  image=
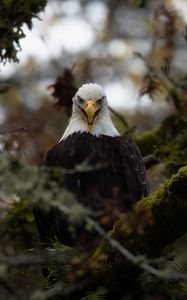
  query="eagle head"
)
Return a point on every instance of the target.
[
  {"x": 90, "y": 102},
  {"x": 90, "y": 113}
]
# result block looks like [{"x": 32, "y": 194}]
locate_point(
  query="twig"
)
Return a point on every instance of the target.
[
  {"x": 120, "y": 117},
  {"x": 149, "y": 161},
  {"x": 139, "y": 260},
  {"x": 82, "y": 168},
  {"x": 136, "y": 260},
  {"x": 55, "y": 256},
  {"x": 45, "y": 257},
  {"x": 9, "y": 289},
  {"x": 168, "y": 83},
  {"x": 54, "y": 291},
  {"x": 60, "y": 289},
  {"x": 24, "y": 127},
  {"x": 125, "y": 252},
  {"x": 3, "y": 87}
]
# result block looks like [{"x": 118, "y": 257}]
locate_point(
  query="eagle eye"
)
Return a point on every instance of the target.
[
  {"x": 99, "y": 101},
  {"x": 81, "y": 100}
]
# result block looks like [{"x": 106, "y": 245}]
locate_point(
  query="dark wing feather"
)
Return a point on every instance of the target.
[
  {"x": 50, "y": 225},
  {"x": 52, "y": 157},
  {"x": 133, "y": 168},
  {"x": 122, "y": 154},
  {"x": 46, "y": 220}
]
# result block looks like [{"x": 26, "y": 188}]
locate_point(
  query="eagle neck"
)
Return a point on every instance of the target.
[{"x": 103, "y": 126}]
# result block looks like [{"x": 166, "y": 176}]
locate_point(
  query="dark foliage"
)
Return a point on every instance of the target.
[
  {"x": 63, "y": 91},
  {"x": 13, "y": 15}
]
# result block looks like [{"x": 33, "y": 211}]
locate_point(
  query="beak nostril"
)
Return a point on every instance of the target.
[{"x": 90, "y": 102}]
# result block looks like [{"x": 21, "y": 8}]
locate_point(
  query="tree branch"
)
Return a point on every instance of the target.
[
  {"x": 45, "y": 257},
  {"x": 120, "y": 117},
  {"x": 149, "y": 161},
  {"x": 140, "y": 260}
]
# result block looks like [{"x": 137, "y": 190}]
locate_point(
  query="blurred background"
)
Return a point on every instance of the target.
[{"x": 135, "y": 49}]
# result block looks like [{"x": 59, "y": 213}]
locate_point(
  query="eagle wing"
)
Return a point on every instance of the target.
[
  {"x": 133, "y": 168},
  {"x": 130, "y": 162}
]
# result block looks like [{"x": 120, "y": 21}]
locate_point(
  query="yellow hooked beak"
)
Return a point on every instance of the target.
[{"x": 90, "y": 111}]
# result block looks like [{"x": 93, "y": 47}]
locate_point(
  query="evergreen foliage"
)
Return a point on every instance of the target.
[{"x": 13, "y": 15}]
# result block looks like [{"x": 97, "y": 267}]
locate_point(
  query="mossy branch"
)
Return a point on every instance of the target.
[
  {"x": 169, "y": 209},
  {"x": 168, "y": 206},
  {"x": 167, "y": 143}
]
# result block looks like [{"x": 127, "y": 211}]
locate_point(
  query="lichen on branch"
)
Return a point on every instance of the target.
[
  {"x": 168, "y": 206},
  {"x": 168, "y": 142},
  {"x": 166, "y": 223}
]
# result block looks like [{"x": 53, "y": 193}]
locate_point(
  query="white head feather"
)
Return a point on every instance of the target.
[{"x": 103, "y": 124}]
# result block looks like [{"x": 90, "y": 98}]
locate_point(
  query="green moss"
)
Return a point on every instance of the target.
[
  {"x": 169, "y": 210},
  {"x": 168, "y": 143},
  {"x": 100, "y": 294},
  {"x": 168, "y": 206},
  {"x": 22, "y": 186},
  {"x": 172, "y": 289},
  {"x": 148, "y": 141},
  {"x": 174, "y": 153}
]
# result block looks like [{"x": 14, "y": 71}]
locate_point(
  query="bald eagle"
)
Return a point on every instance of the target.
[{"x": 91, "y": 137}]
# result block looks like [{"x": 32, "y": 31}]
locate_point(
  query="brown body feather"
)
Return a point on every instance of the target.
[{"x": 115, "y": 183}]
